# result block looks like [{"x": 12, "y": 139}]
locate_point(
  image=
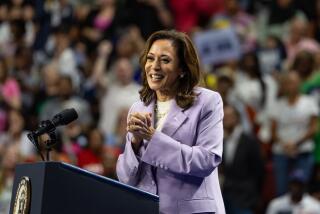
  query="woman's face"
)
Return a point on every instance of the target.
[
  {"x": 16, "y": 122},
  {"x": 162, "y": 66},
  {"x": 291, "y": 84},
  {"x": 230, "y": 119},
  {"x": 95, "y": 140},
  {"x": 124, "y": 71}
]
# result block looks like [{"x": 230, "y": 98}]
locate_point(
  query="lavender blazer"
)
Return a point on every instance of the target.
[{"x": 185, "y": 154}]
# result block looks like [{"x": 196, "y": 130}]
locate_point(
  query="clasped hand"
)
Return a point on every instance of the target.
[{"x": 139, "y": 124}]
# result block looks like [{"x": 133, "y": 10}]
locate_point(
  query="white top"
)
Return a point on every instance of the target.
[
  {"x": 68, "y": 66},
  {"x": 231, "y": 144},
  {"x": 23, "y": 144},
  {"x": 293, "y": 122},
  {"x": 247, "y": 90},
  {"x": 117, "y": 99},
  {"x": 284, "y": 204},
  {"x": 161, "y": 112}
]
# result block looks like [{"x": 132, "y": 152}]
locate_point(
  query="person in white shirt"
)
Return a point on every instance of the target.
[
  {"x": 294, "y": 122},
  {"x": 296, "y": 201},
  {"x": 120, "y": 94}
]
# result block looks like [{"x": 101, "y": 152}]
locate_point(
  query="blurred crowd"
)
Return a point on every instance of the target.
[{"x": 84, "y": 54}]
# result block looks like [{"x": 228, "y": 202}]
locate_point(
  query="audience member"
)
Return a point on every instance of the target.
[
  {"x": 120, "y": 93},
  {"x": 294, "y": 122},
  {"x": 190, "y": 14},
  {"x": 276, "y": 19},
  {"x": 296, "y": 200},
  {"x": 90, "y": 158},
  {"x": 243, "y": 24},
  {"x": 7, "y": 166},
  {"x": 242, "y": 166},
  {"x": 16, "y": 137}
]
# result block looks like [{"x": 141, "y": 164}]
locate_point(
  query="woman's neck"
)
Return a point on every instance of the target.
[
  {"x": 293, "y": 98},
  {"x": 163, "y": 96}
]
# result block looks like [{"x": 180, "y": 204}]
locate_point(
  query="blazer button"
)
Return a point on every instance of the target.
[{"x": 153, "y": 183}]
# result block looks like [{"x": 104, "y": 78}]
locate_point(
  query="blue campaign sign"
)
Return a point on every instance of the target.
[{"x": 217, "y": 46}]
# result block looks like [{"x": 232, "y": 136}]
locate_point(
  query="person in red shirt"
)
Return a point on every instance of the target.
[
  {"x": 90, "y": 158},
  {"x": 189, "y": 14}
]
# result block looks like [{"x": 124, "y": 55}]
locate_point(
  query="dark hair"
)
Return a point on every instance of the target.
[
  {"x": 306, "y": 59},
  {"x": 234, "y": 109},
  {"x": 188, "y": 62},
  {"x": 4, "y": 68},
  {"x": 279, "y": 15},
  {"x": 255, "y": 72}
]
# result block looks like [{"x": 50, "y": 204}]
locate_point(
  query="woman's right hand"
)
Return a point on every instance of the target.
[{"x": 135, "y": 122}]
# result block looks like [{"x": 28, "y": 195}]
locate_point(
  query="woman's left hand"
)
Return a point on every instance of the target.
[{"x": 142, "y": 129}]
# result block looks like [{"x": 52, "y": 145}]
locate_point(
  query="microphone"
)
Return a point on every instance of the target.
[
  {"x": 63, "y": 118},
  {"x": 48, "y": 126}
]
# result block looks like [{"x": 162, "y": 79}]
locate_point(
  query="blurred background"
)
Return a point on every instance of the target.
[{"x": 263, "y": 57}]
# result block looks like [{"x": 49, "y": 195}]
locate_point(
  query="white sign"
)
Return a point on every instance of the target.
[{"x": 217, "y": 46}]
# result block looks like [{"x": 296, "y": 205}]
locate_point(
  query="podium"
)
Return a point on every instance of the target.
[{"x": 60, "y": 188}]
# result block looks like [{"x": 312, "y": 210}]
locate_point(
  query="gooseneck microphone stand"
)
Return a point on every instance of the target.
[
  {"x": 34, "y": 140},
  {"x": 48, "y": 144},
  {"x": 48, "y": 127}
]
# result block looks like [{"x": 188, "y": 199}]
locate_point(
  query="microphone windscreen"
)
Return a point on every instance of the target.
[{"x": 65, "y": 117}]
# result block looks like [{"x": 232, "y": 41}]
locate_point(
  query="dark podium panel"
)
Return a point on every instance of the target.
[{"x": 59, "y": 188}]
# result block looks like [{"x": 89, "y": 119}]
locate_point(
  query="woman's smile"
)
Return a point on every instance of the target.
[{"x": 156, "y": 77}]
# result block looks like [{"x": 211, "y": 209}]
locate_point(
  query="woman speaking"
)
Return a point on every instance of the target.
[{"x": 175, "y": 133}]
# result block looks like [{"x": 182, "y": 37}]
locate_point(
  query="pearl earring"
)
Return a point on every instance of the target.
[{"x": 181, "y": 75}]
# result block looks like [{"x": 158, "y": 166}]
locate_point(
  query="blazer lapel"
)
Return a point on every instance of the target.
[{"x": 174, "y": 120}]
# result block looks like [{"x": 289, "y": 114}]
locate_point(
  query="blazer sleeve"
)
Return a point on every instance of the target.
[
  {"x": 199, "y": 160},
  {"x": 128, "y": 162}
]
